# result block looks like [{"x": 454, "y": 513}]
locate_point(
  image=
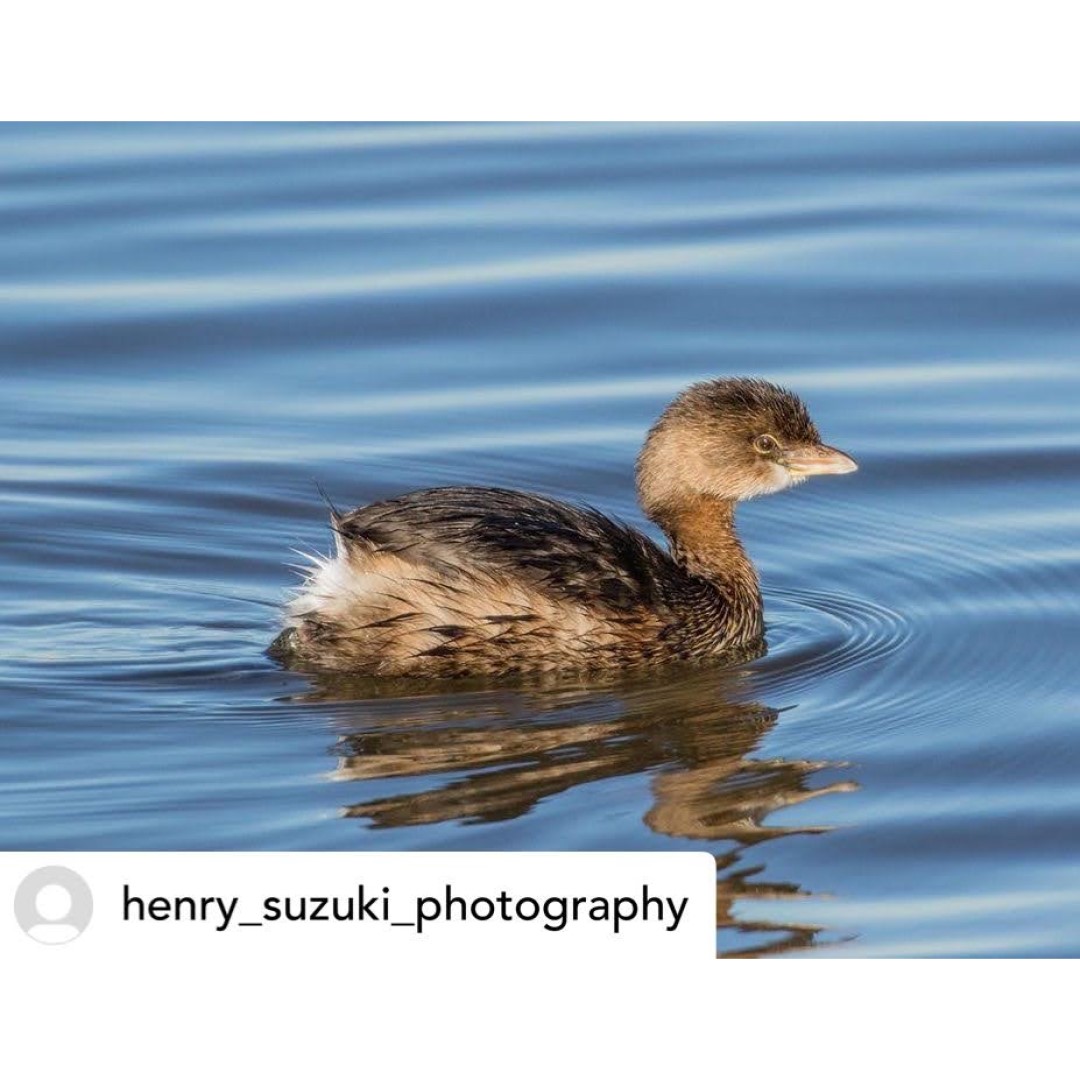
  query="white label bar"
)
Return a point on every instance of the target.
[{"x": 187, "y": 910}]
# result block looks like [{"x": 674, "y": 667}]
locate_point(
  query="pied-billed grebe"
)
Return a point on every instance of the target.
[{"x": 480, "y": 581}]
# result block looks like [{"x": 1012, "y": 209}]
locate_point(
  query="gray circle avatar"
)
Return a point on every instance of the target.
[{"x": 53, "y": 905}]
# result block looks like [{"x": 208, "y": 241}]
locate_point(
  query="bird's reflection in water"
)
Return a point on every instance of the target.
[{"x": 493, "y": 754}]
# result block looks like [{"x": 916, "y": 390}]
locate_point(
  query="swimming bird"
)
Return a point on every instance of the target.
[{"x": 459, "y": 581}]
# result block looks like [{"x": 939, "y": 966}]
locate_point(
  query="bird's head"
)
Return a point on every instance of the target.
[{"x": 731, "y": 439}]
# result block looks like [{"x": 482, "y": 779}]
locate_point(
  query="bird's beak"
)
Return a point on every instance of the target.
[{"x": 818, "y": 460}]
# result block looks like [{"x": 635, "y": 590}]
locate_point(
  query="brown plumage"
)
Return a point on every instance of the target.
[{"x": 481, "y": 581}]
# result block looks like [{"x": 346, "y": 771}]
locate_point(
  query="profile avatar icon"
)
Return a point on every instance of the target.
[{"x": 53, "y": 905}]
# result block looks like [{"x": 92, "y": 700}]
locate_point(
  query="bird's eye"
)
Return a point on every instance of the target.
[{"x": 765, "y": 444}]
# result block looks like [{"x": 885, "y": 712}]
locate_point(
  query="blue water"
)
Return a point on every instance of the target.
[{"x": 197, "y": 323}]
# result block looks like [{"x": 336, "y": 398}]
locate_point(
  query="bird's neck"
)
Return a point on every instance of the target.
[{"x": 701, "y": 531}]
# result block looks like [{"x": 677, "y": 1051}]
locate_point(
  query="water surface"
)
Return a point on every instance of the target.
[{"x": 197, "y": 323}]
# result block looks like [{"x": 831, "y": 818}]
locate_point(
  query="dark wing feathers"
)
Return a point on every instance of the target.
[{"x": 573, "y": 552}]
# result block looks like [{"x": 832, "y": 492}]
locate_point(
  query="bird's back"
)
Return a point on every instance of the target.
[{"x": 465, "y": 580}]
